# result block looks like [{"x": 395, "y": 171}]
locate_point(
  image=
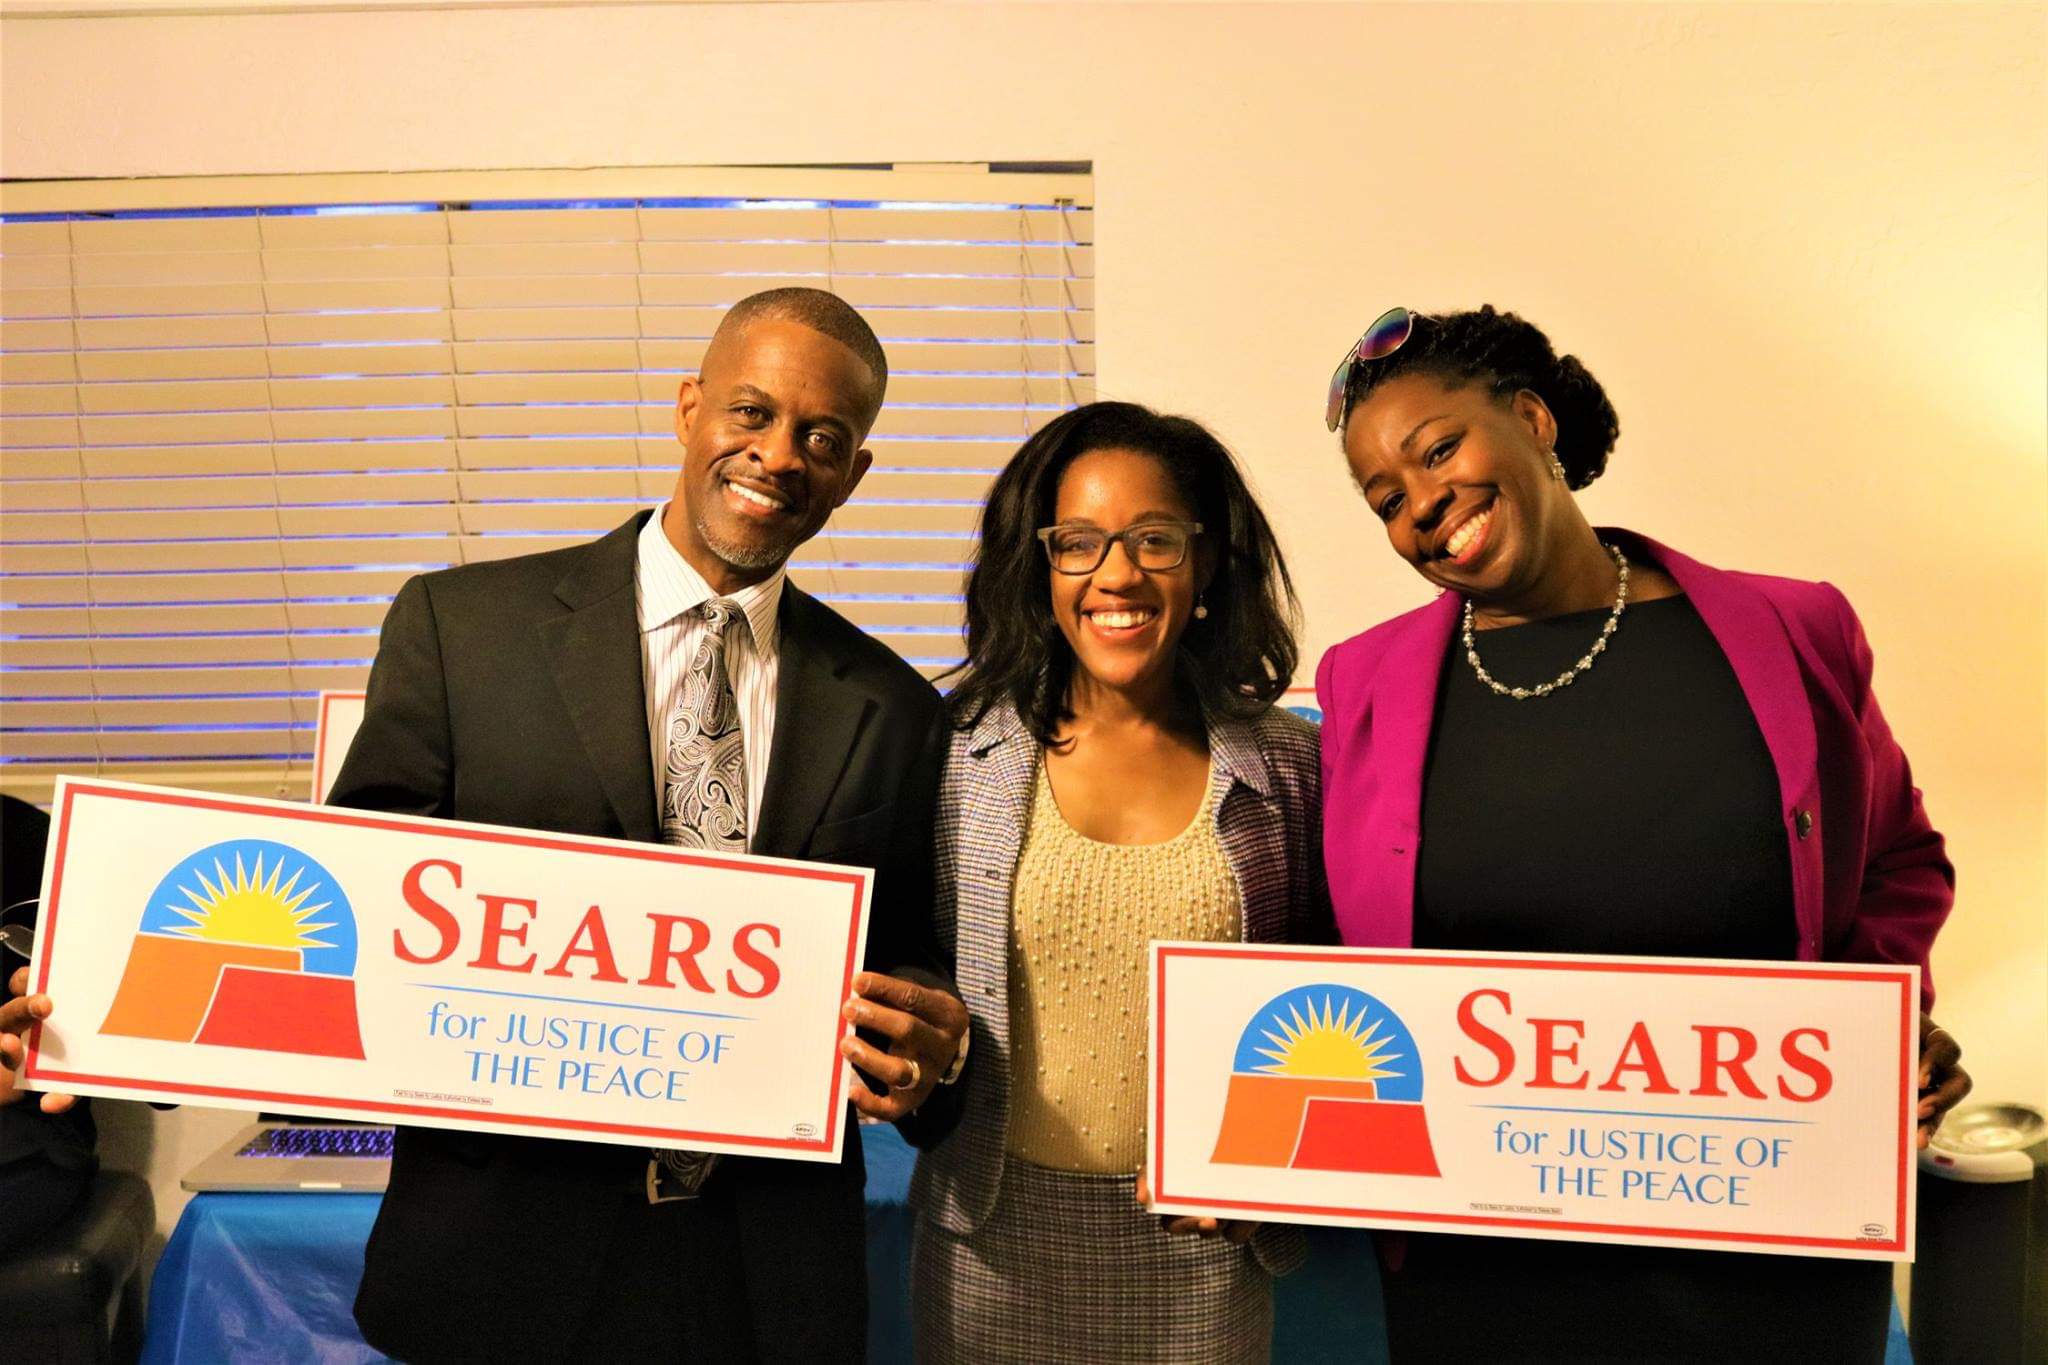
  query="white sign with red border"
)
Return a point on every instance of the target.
[
  {"x": 341, "y": 715},
  {"x": 1747, "y": 1106},
  {"x": 265, "y": 954}
]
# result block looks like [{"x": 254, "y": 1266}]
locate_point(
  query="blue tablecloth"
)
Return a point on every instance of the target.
[
  {"x": 261, "y": 1277},
  {"x": 272, "y": 1277}
]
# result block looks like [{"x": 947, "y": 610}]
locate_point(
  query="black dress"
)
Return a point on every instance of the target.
[{"x": 1634, "y": 812}]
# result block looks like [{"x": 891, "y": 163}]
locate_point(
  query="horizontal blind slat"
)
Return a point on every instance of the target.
[
  {"x": 45, "y": 463},
  {"x": 38, "y": 400},
  {"x": 35, "y": 239},
  {"x": 182, "y": 395},
  {"x": 97, "y": 237},
  {"x": 131, "y": 462},
  {"x": 157, "y": 268},
  {"x": 544, "y": 225},
  {"x": 290, "y": 231},
  {"x": 37, "y": 367}
]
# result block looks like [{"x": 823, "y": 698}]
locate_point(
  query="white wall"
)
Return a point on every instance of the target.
[{"x": 1803, "y": 247}]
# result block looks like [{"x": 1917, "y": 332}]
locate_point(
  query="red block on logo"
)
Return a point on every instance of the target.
[
  {"x": 284, "y": 1012},
  {"x": 1378, "y": 1137}
]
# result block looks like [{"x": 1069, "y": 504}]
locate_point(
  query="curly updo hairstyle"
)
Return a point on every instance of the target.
[
  {"x": 1508, "y": 354},
  {"x": 1235, "y": 661}
]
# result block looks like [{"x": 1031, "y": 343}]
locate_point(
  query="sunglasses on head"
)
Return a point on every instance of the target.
[{"x": 1383, "y": 338}]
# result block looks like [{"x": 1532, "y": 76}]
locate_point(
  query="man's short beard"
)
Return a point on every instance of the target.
[{"x": 740, "y": 555}]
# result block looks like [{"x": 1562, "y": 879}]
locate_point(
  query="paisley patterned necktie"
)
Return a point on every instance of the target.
[
  {"x": 703, "y": 805},
  {"x": 704, "y": 782}
]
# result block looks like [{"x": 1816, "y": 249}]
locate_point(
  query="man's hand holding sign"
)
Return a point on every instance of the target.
[
  {"x": 19, "y": 1013},
  {"x": 923, "y": 1025}
]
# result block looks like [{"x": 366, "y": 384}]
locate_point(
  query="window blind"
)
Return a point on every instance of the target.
[{"x": 229, "y": 433}]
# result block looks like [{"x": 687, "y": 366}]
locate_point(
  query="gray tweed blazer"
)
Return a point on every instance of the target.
[{"x": 1269, "y": 823}]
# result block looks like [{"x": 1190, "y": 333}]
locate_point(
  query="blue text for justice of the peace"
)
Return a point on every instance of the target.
[{"x": 584, "y": 1056}]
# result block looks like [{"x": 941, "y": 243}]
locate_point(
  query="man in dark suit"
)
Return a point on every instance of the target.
[
  {"x": 664, "y": 682},
  {"x": 541, "y": 692}
]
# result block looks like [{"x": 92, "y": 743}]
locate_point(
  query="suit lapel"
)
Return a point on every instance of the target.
[
  {"x": 818, "y": 715},
  {"x": 1250, "y": 829},
  {"x": 999, "y": 782},
  {"x": 593, "y": 650}
]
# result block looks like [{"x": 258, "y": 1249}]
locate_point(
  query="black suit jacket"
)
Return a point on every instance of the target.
[{"x": 511, "y": 693}]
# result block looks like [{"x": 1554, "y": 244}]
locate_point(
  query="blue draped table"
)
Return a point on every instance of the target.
[{"x": 272, "y": 1277}]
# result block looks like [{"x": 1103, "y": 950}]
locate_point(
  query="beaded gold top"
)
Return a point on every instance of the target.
[{"x": 1083, "y": 915}]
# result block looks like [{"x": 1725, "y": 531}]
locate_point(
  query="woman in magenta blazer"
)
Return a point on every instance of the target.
[{"x": 1592, "y": 743}]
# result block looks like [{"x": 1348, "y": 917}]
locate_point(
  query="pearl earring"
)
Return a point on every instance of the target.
[{"x": 1201, "y": 611}]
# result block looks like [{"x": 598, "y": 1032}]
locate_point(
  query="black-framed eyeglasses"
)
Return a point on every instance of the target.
[
  {"x": 1154, "y": 546},
  {"x": 1383, "y": 338}
]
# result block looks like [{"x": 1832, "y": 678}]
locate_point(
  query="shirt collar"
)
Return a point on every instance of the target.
[{"x": 665, "y": 587}]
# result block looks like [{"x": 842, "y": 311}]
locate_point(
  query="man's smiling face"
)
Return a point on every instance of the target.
[{"x": 771, "y": 430}]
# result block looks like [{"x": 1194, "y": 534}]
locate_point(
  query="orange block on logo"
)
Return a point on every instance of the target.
[{"x": 169, "y": 982}]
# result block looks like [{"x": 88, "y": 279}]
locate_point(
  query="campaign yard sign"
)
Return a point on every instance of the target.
[
  {"x": 1748, "y": 1106},
  {"x": 265, "y": 954}
]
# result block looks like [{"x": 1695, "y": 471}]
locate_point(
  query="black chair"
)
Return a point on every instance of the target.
[{"x": 77, "y": 1297}]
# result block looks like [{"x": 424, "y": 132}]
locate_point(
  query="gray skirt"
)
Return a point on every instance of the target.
[{"x": 1068, "y": 1268}]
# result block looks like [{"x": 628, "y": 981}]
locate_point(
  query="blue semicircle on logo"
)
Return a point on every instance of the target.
[
  {"x": 260, "y": 894},
  {"x": 1347, "y": 1011}
]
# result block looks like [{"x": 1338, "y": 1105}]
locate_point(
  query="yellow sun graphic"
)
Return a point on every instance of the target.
[
  {"x": 247, "y": 908},
  {"x": 1332, "y": 1046}
]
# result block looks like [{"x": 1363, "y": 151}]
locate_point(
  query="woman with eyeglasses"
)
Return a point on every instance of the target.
[
  {"x": 1591, "y": 743},
  {"x": 1118, "y": 773}
]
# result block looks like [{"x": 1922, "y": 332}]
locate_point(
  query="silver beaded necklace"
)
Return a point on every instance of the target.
[{"x": 1585, "y": 662}]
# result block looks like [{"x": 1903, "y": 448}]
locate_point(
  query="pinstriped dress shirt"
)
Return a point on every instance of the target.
[{"x": 666, "y": 590}]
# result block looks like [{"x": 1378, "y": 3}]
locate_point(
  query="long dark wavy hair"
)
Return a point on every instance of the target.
[{"x": 1234, "y": 662}]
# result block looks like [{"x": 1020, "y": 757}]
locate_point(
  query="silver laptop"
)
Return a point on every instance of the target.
[{"x": 317, "y": 1156}]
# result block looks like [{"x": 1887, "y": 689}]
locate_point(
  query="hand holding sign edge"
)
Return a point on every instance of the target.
[
  {"x": 1943, "y": 1082},
  {"x": 921, "y": 1024},
  {"x": 19, "y": 1013}
]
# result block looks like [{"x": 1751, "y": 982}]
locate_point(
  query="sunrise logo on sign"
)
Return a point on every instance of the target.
[
  {"x": 247, "y": 943},
  {"x": 1326, "y": 1078}
]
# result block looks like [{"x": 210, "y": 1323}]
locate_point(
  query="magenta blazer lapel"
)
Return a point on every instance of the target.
[{"x": 1379, "y": 707}]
